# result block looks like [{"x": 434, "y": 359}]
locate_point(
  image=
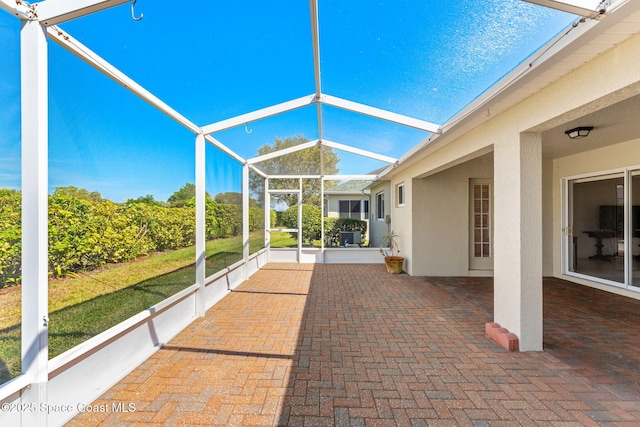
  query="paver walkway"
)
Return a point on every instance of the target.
[{"x": 350, "y": 345}]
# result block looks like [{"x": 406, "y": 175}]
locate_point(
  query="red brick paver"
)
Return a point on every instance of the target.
[{"x": 350, "y": 345}]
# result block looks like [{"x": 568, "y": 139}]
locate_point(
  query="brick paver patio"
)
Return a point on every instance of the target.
[{"x": 351, "y": 345}]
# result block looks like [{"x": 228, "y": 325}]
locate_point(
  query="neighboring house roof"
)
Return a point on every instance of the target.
[
  {"x": 349, "y": 187},
  {"x": 355, "y": 186}
]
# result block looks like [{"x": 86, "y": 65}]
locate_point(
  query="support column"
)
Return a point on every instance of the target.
[
  {"x": 267, "y": 217},
  {"x": 201, "y": 251},
  {"x": 518, "y": 238},
  {"x": 34, "y": 218},
  {"x": 245, "y": 219}
]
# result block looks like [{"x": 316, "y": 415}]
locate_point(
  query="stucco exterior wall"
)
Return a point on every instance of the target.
[
  {"x": 441, "y": 219},
  {"x": 580, "y": 92}
]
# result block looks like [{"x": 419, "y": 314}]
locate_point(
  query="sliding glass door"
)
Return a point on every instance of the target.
[
  {"x": 603, "y": 227},
  {"x": 635, "y": 228}
]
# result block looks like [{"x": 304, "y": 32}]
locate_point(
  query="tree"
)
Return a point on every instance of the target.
[
  {"x": 304, "y": 162},
  {"x": 78, "y": 193},
  {"x": 148, "y": 200},
  {"x": 183, "y": 195}
]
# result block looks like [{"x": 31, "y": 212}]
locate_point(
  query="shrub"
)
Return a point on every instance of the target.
[
  {"x": 311, "y": 221},
  {"x": 10, "y": 237},
  {"x": 88, "y": 232},
  {"x": 333, "y": 227}
]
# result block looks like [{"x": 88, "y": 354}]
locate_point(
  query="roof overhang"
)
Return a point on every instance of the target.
[
  {"x": 586, "y": 8},
  {"x": 581, "y": 42}
]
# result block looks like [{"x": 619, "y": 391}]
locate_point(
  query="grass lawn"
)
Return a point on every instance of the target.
[
  {"x": 282, "y": 239},
  {"x": 92, "y": 303}
]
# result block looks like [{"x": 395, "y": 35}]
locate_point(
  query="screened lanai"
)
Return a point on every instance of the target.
[{"x": 110, "y": 108}]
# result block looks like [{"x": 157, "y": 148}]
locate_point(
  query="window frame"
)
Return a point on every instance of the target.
[
  {"x": 380, "y": 206},
  {"x": 401, "y": 195}
]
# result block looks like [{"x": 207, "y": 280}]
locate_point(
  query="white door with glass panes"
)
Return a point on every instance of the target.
[{"x": 481, "y": 224}]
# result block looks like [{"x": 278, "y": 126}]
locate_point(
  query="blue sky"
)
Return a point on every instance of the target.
[{"x": 215, "y": 60}]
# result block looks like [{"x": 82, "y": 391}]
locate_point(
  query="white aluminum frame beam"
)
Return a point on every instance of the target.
[
  {"x": 224, "y": 148},
  {"x": 263, "y": 113},
  {"x": 100, "y": 64},
  {"x": 359, "y": 151},
  {"x": 258, "y": 171},
  {"x": 201, "y": 251},
  {"x": 293, "y": 177},
  {"x": 93, "y": 59},
  {"x": 35, "y": 166},
  {"x": 315, "y": 39},
  {"x": 52, "y": 12},
  {"x": 283, "y": 152},
  {"x": 380, "y": 113},
  {"x": 350, "y": 177},
  {"x": 17, "y": 9}
]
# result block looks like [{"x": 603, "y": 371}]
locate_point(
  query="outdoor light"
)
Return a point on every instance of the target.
[{"x": 579, "y": 132}]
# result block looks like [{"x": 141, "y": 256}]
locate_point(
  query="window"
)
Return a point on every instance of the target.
[
  {"x": 400, "y": 192},
  {"x": 357, "y": 209},
  {"x": 380, "y": 206},
  {"x": 481, "y": 221}
]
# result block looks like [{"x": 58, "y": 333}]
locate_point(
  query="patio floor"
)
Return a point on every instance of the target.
[{"x": 351, "y": 345}]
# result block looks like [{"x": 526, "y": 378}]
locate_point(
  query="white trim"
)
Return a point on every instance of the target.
[
  {"x": 379, "y": 196},
  {"x": 52, "y": 12},
  {"x": 282, "y": 230},
  {"x": 566, "y": 7},
  {"x": 401, "y": 203}
]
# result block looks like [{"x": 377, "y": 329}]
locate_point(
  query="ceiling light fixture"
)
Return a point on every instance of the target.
[{"x": 579, "y": 132}]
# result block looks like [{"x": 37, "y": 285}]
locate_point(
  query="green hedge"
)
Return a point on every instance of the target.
[
  {"x": 311, "y": 217},
  {"x": 10, "y": 237},
  {"x": 85, "y": 234}
]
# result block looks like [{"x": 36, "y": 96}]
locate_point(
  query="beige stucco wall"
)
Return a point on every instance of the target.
[
  {"x": 441, "y": 219},
  {"x": 580, "y": 92}
]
